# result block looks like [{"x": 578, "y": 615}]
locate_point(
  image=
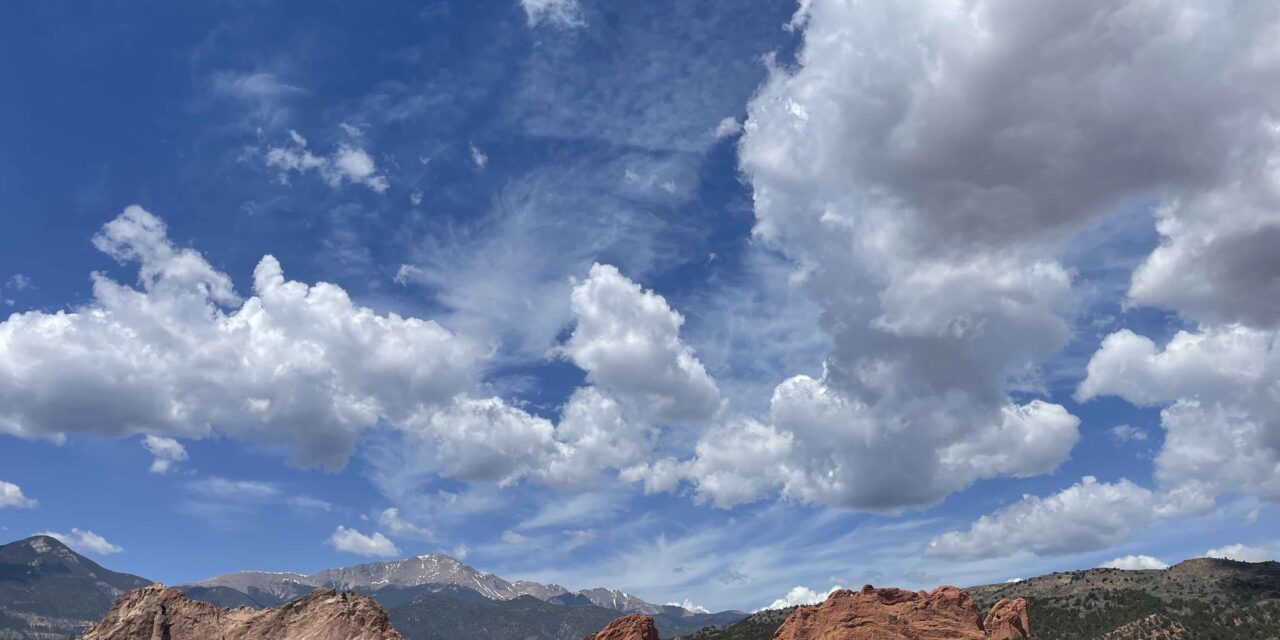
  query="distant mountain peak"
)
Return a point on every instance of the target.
[{"x": 420, "y": 570}]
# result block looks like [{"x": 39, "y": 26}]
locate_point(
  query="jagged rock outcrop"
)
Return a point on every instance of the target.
[
  {"x": 896, "y": 614},
  {"x": 1007, "y": 620},
  {"x": 158, "y": 613},
  {"x": 632, "y": 627}
]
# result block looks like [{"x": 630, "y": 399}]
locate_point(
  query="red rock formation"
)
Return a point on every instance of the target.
[
  {"x": 632, "y": 627},
  {"x": 889, "y": 614},
  {"x": 1007, "y": 620},
  {"x": 154, "y": 612}
]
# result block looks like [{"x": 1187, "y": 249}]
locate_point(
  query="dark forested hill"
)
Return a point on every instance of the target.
[{"x": 48, "y": 591}]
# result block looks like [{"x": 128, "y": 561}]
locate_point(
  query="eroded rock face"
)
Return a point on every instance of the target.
[
  {"x": 158, "y": 613},
  {"x": 1007, "y": 620},
  {"x": 890, "y": 614},
  {"x": 632, "y": 627}
]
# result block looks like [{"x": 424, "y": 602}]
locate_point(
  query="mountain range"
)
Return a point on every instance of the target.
[
  {"x": 268, "y": 589},
  {"x": 48, "y": 592},
  {"x": 1198, "y": 598}
]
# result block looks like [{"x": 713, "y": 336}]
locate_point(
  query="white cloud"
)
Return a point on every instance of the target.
[
  {"x": 1135, "y": 563},
  {"x": 1128, "y": 433},
  {"x": 167, "y": 452},
  {"x": 628, "y": 341},
  {"x": 689, "y": 605},
  {"x": 183, "y": 355},
  {"x": 18, "y": 282},
  {"x": 390, "y": 518},
  {"x": 727, "y": 127},
  {"x": 799, "y": 596},
  {"x": 478, "y": 157},
  {"x": 1240, "y": 552},
  {"x": 936, "y": 278},
  {"x": 347, "y": 164},
  {"x": 1085, "y": 516},
  {"x": 1217, "y": 387},
  {"x": 557, "y": 13},
  {"x": 352, "y": 541},
  {"x": 264, "y": 95},
  {"x": 11, "y": 496},
  {"x": 84, "y": 541}
]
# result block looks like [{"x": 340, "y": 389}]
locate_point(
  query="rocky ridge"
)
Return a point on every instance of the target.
[
  {"x": 632, "y": 627},
  {"x": 897, "y": 614},
  {"x": 160, "y": 613}
]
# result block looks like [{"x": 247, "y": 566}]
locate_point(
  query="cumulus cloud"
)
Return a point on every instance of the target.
[
  {"x": 352, "y": 541},
  {"x": 689, "y": 605},
  {"x": 1217, "y": 388},
  {"x": 167, "y": 452},
  {"x": 1085, "y": 516},
  {"x": 727, "y": 127},
  {"x": 934, "y": 273},
  {"x": 557, "y": 13},
  {"x": 628, "y": 341},
  {"x": 182, "y": 355},
  {"x": 347, "y": 164},
  {"x": 1135, "y": 563},
  {"x": 11, "y": 496},
  {"x": 799, "y": 596},
  {"x": 1240, "y": 552},
  {"x": 84, "y": 541}
]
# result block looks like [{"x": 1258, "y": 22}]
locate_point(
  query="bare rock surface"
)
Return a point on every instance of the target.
[
  {"x": 632, "y": 627},
  {"x": 896, "y": 614},
  {"x": 159, "y": 613},
  {"x": 1007, "y": 620}
]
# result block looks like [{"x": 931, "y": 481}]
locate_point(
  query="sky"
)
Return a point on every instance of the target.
[{"x": 704, "y": 302}]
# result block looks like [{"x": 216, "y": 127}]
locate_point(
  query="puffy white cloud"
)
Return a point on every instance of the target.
[
  {"x": 1219, "y": 387},
  {"x": 934, "y": 272},
  {"x": 346, "y": 164},
  {"x": 1135, "y": 563},
  {"x": 1085, "y": 516},
  {"x": 689, "y": 605},
  {"x": 167, "y": 452},
  {"x": 483, "y": 439},
  {"x": 557, "y": 13},
  {"x": 727, "y": 127},
  {"x": 823, "y": 447},
  {"x": 183, "y": 356},
  {"x": 352, "y": 541},
  {"x": 1240, "y": 552},
  {"x": 739, "y": 461},
  {"x": 596, "y": 434},
  {"x": 11, "y": 496},
  {"x": 628, "y": 341},
  {"x": 85, "y": 541},
  {"x": 799, "y": 596}
]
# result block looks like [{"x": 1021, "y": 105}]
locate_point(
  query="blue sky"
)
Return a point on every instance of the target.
[{"x": 695, "y": 301}]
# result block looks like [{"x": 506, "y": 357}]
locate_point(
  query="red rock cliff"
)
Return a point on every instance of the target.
[
  {"x": 632, "y": 627},
  {"x": 154, "y": 613},
  {"x": 946, "y": 613}
]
